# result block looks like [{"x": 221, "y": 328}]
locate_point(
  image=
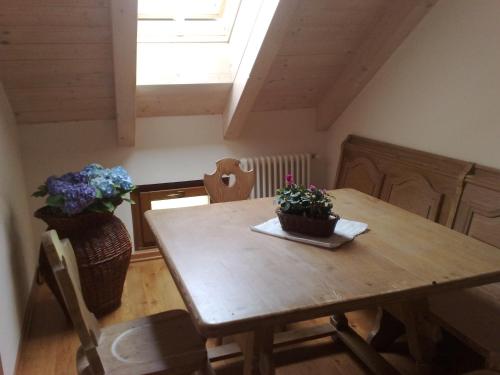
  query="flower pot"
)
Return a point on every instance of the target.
[
  {"x": 102, "y": 249},
  {"x": 305, "y": 225}
]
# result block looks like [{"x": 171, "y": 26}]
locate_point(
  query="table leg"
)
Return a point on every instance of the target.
[
  {"x": 386, "y": 332},
  {"x": 422, "y": 347},
  {"x": 257, "y": 347}
]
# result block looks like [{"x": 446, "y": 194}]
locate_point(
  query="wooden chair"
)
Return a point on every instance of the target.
[
  {"x": 165, "y": 343},
  {"x": 219, "y": 191}
]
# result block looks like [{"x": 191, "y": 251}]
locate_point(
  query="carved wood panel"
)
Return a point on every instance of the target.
[
  {"x": 414, "y": 193},
  {"x": 366, "y": 165},
  {"x": 479, "y": 210},
  {"x": 361, "y": 174}
]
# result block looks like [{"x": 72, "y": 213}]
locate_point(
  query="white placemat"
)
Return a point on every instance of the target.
[{"x": 345, "y": 231}]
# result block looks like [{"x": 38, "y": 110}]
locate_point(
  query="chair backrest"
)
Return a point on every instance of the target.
[
  {"x": 219, "y": 191},
  {"x": 63, "y": 263}
]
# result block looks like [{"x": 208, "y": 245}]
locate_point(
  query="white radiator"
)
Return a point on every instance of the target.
[{"x": 272, "y": 170}]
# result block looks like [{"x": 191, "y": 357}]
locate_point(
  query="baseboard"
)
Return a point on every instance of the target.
[
  {"x": 27, "y": 317},
  {"x": 143, "y": 255}
]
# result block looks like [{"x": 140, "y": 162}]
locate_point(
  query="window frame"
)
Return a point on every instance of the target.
[
  {"x": 144, "y": 194},
  {"x": 194, "y": 28}
]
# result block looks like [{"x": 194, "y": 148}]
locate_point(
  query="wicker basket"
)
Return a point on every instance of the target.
[
  {"x": 102, "y": 249},
  {"x": 306, "y": 225}
]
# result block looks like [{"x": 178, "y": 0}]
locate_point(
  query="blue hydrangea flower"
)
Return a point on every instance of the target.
[
  {"x": 75, "y": 191},
  {"x": 120, "y": 178},
  {"x": 105, "y": 186},
  {"x": 93, "y": 170}
]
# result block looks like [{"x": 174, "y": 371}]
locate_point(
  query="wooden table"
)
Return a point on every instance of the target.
[{"x": 234, "y": 280}]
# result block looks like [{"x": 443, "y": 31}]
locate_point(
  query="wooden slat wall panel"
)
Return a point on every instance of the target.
[
  {"x": 93, "y": 51},
  {"x": 55, "y": 73},
  {"x": 177, "y": 100},
  {"x": 427, "y": 184},
  {"x": 53, "y": 16},
  {"x": 53, "y": 35},
  {"x": 55, "y": 3},
  {"x": 56, "y": 59},
  {"x": 106, "y": 112},
  {"x": 49, "y": 99},
  {"x": 319, "y": 42}
]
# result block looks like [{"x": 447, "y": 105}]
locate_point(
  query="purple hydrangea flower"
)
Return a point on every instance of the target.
[
  {"x": 75, "y": 191},
  {"x": 56, "y": 186},
  {"x": 77, "y": 198},
  {"x": 74, "y": 177}
]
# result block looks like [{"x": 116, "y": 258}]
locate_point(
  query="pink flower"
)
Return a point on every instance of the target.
[
  {"x": 312, "y": 187},
  {"x": 289, "y": 179}
]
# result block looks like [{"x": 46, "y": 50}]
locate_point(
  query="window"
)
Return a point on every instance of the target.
[
  {"x": 162, "y": 196},
  {"x": 185, "y": 21}
]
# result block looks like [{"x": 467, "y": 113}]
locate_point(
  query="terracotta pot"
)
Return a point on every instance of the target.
[
  {"x": 305, "y": 225},
  {"x": 102, "y": 248}
]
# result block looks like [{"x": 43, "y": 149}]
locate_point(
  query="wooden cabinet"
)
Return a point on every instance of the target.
[{"x": 424, "y": 183}]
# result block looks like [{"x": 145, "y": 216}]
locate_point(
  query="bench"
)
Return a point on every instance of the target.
[
  {"x": 458, "y": 194},
  {"x": 473, "y": 315}
]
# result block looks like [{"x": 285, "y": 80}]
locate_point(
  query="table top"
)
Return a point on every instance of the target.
[{"x": 234, "y": 280}]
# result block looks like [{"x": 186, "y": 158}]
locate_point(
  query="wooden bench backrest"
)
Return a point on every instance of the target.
[
  {"x": 219, "y": 191},
  {"x": 63, "y": 263},
  {"x": 478, "y": 213},
  {"x": 426, "y": 184}
]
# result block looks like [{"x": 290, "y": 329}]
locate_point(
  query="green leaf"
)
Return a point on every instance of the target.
[
  {"x": 98, "y": 194},
  {"x": 109, "y": 206},
  {"x": 42, "y": 191},
  {"x": 55, "y": 201}
]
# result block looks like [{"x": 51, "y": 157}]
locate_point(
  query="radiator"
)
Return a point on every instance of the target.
[{"x": 271, "y": 172}]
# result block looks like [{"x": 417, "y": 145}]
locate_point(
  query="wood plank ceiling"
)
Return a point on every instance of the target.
[
  {"x": 320, "y": 40},
  {"x": 56, "y": 59}
]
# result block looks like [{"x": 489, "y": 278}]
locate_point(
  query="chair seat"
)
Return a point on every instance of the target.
[
  {"x": 166, "y": 343},
  {"x": 472, "y": 315}
]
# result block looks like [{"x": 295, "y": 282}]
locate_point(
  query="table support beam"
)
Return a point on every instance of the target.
[
  {"x": 281, "y": 340},
  {"x": 374, "y": 361}
]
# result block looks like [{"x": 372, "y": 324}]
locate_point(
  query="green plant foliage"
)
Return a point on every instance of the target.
[{"x": 298, "y": 200}]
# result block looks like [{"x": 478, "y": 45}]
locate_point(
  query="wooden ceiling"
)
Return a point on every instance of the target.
[
  {"x": 56, "y": 60},
  {"x": 319, "y": 42}
]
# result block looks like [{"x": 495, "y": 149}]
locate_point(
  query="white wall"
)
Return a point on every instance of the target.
[
  {"x": 440, "y": 91},
  {"x": 18, "y": 253},
  {"x": 167, "y": 148}
]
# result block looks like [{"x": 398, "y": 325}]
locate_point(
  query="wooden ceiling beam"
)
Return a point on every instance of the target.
[
  {"x": 400, "y": 18},
  {"x": 263, "y": 46},
  {"x": 124, "y": 21}
]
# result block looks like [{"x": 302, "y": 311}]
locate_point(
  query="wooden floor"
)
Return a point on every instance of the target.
[{"x": 51, "y": 344}]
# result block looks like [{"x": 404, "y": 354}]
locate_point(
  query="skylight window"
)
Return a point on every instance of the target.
[{"x": 186, "y": 21}]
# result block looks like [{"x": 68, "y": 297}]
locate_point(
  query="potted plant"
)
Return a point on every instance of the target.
[
  {"x": 80, "y": 207},
  {"x": 305, "y": 210}
]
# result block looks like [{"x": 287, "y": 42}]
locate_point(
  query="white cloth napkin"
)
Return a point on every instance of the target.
[{"x": 345, "y": 231}]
